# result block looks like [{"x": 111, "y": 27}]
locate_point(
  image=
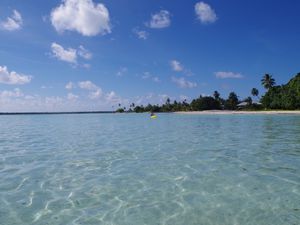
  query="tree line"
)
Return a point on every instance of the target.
[{"x": 276, "y": 97}]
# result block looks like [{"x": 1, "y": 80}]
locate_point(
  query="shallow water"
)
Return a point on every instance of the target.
[{"x": 129, "y": 169}]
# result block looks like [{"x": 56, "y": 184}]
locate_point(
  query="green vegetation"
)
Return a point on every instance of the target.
[
  {"x": 232, "y": 101},
  {"x": 254, "y": 92},
  {"x": 268, "y": 81},
  {"x": 285, "y": 97}
]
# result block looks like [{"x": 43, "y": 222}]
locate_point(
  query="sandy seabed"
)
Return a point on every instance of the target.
[{"x": 229, "y": 112}]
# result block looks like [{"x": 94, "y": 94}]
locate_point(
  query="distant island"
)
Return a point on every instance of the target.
[{"x": 280, "y": 97}]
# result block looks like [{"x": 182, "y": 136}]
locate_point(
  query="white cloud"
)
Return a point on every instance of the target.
[
  {"x": 53, "y": 101},
  {"x": 163, "y": 98},
  {"x": 95, "y": 91},
  {"x": 84, "y": 53},
  {"x": 183, "y": 83},
  {"x": 205, "y": 13},
  {"x": 160, "y": 20},
  {"x": 147, "y": 75},
  {"x": 122, "y": 71},
  {"x": 224, "y": 75},
  {"x": 183, "y": 97},
  {"x": 12, "y": 77},
  {"x": 16, "y": 93},
  {"x": 113, "y": 98},
  {"x": 14, "y": 22},
  {"x": 72, "y": 97},
  {"x": 88, "y": 85},
  {"x": 150, "y": 98},
  {"x": 176, "y": 66},
  {"x": 70, "y": 55},
  {"x": 96, "y": 94},
  {"x": 141, "y": 34},
  {"x": 70, "y": 85},
  {"x": 111, "y": 95},
  {"x": 83, "y": 16},
  {"x": 17, "y": 101},
  {"x": 67, "y": 55},
  {"x": 153, "y": 99}
]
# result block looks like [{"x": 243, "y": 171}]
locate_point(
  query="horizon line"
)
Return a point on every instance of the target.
[{"x": 62, "y": 112}]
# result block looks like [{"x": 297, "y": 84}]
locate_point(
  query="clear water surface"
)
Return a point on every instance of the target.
[{"x": 129, "y": 169}]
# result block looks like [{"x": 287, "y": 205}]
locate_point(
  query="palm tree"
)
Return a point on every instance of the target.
[
  {"x": 249, "y": 100},
  {"x": 232, "y": 101},
  {"x": 254, "y": 92},
  {"x": 216, "y": 95},
  {"x": 268, "y": 81},
  {"x": 132, "y": 106},
  {"x": 168, "y": 101}
]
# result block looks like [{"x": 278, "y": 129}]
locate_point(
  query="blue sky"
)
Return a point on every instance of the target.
[{"x": 92, "y": 55}]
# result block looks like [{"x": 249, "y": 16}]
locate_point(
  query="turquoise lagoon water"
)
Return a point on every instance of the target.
[{"x": 129, "y": 169}]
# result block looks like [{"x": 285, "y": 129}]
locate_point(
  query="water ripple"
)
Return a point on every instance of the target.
[{"x": 127, "y": 169}]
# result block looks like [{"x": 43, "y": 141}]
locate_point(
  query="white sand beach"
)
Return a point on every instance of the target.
[{"x": 229, "y": 112}]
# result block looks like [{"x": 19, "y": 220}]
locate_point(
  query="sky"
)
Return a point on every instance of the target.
[{"x": 82, "y": 55}]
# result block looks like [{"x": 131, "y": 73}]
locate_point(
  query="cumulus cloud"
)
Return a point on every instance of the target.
[
  {"x": 141, "y": 34},
  {"x": 16, "y": 93},
  {"x": 113, "y": 98},
  {"x": 69, "y": 55},
  {"x": 111, "y": 95},
  {"x": 224, "y": 75},
  {"x": 70, "y": 85},
  {"x": 83, "y": 16},
  {"x": 205, "y": 13},
  {"x": 88, "y": 85},
  {"x": 84, "y": 53},
  {"x": 160, "y": 20},
  {"x": 176, "y": 66},
  {"x": 148, "y": 75},
  {"x": 14, "y": 22},
  {"x": 72, "y": 97},
  {"x": 13, "y": 77},
  {"x": 16, "y": 101},
  {"x": 96, "y": 94},
  {"x": 95, "y": 91},
  {"x": 183, "y": 83},
  {"x": 151, "y": 98}
]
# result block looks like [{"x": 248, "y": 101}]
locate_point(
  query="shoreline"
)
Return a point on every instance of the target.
[{"x": 229, "y": 112}]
